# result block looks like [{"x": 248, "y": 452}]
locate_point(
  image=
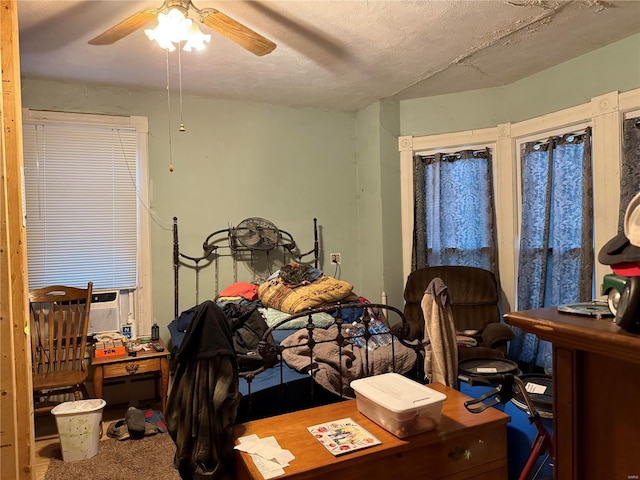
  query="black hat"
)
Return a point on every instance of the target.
[{"x": 618, "y": 250}]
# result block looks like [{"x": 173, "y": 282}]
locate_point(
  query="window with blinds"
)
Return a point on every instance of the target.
[{"x": 81, "y": 208}]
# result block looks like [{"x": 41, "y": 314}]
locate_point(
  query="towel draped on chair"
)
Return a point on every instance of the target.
[{"x": 441, "y": 351}]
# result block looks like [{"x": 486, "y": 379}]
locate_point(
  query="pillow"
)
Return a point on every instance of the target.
[
  {"x": 273, "y": 316},
  {"x": 274, "y": 294}
]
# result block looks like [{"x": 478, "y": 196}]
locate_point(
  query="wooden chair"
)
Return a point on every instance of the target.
[{"x": 59, "y": 322}]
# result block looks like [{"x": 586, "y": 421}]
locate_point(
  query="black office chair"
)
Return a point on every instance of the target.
[{"x": 475, "y": 301}]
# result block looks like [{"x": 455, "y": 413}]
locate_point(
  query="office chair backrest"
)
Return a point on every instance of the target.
[{"x": 473, "y": 293}]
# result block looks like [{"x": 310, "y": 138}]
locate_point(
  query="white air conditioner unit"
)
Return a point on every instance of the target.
[{"x": 105, "y": 311}]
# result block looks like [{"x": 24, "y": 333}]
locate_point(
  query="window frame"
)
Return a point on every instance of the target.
[{"x": 143, "y": 307}]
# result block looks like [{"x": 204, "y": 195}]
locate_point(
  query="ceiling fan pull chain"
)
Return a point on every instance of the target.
[
  {"x": 169, "y": 114},
  {"x": 181, "y": 128}
]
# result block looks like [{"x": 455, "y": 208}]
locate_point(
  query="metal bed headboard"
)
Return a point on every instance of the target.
[{"x": 223, "y": 239}]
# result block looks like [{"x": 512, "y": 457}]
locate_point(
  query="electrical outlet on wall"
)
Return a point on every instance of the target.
[{"x": 336, "y": 258}]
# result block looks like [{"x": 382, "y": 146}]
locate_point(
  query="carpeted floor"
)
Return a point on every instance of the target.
[{"x": 149, "y": 457}]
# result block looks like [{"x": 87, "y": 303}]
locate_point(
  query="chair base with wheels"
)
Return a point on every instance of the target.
[{"x": 505, "y": 388}]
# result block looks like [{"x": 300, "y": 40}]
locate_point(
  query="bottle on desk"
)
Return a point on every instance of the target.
[
  {"x": 155, "y": 332},
  {"x": 129, "y": 329},
  {"x": 129, "y": 332}
]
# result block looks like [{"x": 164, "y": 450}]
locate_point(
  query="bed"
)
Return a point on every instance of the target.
[{"x": 310, "y": 334}]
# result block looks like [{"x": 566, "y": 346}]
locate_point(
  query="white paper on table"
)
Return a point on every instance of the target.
[
  {"x": 267, "y": 468},
  {"x": 266, "y": 453},
  {"x": 272, "y": 450}
]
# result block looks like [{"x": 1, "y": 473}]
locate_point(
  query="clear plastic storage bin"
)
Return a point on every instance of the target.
[{"x": 399, "y": 405}]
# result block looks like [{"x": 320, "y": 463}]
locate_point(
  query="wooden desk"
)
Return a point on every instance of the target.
[
  {"x": 596, "y": 382},
  {"x": 464, "y": 445},
  {"x": 124, "y": 366}
]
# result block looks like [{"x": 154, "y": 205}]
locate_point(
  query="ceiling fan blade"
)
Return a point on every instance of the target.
[
  {"x": 124, "y": 28},
  {"x": 236, "y": 32}
]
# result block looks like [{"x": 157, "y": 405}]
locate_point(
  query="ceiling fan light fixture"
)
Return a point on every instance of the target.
[
  {"x": 196, "y": 39},
  {"x": 173, "y": 28},
  {"x": 163, "y": 42}
]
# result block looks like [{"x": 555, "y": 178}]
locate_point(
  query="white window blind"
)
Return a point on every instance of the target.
[{"x": 80, "y": 189}]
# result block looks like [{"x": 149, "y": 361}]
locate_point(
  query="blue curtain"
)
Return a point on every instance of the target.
[
  {"x": 630, "y": 168},
  {"x": 555, "y": 263},
  {"x": 454, "y": 219}
]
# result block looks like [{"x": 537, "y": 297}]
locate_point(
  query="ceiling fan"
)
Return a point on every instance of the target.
[{"x": 212, "y": 18}]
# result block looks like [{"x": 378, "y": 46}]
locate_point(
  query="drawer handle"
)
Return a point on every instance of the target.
[
  {"x": 132, "y": 368},
  {"x": 458, "y": 453}
]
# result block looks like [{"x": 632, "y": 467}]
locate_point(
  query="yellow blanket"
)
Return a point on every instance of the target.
[{"x": 274, "y": 294}]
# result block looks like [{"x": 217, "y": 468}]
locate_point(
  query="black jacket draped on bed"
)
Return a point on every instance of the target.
[{"x": 204, "y": 398}]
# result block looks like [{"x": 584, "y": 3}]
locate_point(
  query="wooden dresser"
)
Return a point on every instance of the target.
[
  {"x": 464, "y": 446},
  {"x": 596, "y": 381}
]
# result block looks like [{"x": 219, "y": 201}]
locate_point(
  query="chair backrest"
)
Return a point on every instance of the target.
[
  {"x": 59, "y": 322},
  {"x": 473, "y": 293}
]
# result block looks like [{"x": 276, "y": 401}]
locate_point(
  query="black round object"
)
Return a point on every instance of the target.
[
  {"x": 628, "y": 311},
  {"x": 542, "y": 401},
  {"x": 487, "y": 366}
]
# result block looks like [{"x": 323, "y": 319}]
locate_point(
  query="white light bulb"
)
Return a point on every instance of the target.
[
  {"x": 196, "y": 39},
  {"x": 173, "y": 27}
]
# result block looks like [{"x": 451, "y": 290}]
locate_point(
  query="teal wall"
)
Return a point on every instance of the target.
[
  {"x": 378, "y": 190},
  {"x": 612, "y": 68},
  {"x": 289, "y": 165},
  {"x": 235, "y": 160},
  {"x": 453, "y": 113}
]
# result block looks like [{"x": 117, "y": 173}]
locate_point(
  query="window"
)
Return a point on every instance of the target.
[
  {"x": 454, "y": 213},
  {"x": 605, "y": 115},
  {"x": 630, "y": 166},
  {"x": 85, "y": 189},
  {"x": 80, "y": 185},
  {"x": 556, "y": 243}
]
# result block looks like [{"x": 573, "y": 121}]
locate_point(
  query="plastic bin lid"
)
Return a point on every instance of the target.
[
  {"x": 396, "y": 393},
  {"x": 79, "y": 406}
]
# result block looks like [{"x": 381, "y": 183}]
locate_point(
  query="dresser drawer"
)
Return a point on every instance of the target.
[
  {"x": 469, "y": 452},
  {"x": 132, "y": 367},
  {"x": 475, "y": 455}
]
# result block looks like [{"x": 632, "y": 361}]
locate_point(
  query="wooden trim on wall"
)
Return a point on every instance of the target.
[
  {"x": 405, "y": 145},
  {"x": 17, "y": 436}
]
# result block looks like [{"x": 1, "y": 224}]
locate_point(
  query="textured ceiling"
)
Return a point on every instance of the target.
[{"x": 335, "y": 55}]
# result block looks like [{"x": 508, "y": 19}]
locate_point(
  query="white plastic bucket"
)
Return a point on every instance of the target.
[{"x": 78, "y": 425}]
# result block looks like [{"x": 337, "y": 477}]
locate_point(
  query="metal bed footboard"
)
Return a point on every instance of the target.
[{"x": 398, "y": 329}]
